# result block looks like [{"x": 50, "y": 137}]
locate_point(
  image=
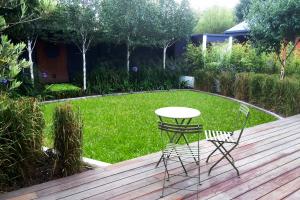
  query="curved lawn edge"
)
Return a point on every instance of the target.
[
  {"x": 243, "y": 102},
  {"x": 153, "y": 91}
]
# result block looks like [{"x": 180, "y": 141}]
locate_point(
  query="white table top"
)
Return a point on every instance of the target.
[{"x": 177, "y": 112}]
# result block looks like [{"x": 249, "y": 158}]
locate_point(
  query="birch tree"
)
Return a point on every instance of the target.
[
  {"x": 127, "y": 22},
  {"x": 81, "y": 22},
  {"x": 174, "y": 21},
  {"x": 275, "y": 24},
  {"x": 22, "y": 20}
]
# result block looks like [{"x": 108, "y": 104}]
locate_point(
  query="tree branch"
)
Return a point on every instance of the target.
[
  {"x": 35, "y": 39},
  {"x": 292, "y": 49}
]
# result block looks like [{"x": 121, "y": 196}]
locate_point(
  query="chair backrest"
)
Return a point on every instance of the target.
[
  {"x": 244, "y": 113},
  {"x": 179, "y": 129}
]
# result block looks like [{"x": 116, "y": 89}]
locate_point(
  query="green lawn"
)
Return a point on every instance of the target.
[{"x": 118, "y": 128}]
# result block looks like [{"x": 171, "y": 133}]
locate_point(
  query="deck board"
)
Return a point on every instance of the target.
[{"x": 268, "y": 159}]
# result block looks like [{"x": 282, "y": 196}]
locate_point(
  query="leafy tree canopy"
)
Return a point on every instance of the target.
[
  {"x": 242, "y": 9},
  {"x": 127, "y": 21},
  {"x": 215, "y": 20},
  {"x": 273, "y": 24},
  {"x": 16, "y": 12}
]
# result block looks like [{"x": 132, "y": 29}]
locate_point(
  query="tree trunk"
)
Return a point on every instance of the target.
[
  {"x": 164, "y": 56},
  {"x": 283, "y": 64},
  {"x": 30, "y": 50},
  {"x": 128, "y": 57},
  {"x": 282, "y": 71},
  {"x": 84, "y": 66}
]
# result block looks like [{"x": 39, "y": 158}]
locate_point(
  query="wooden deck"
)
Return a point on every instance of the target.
[{"x": 268, "y": 159}]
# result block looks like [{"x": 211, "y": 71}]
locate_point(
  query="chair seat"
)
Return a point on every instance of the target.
[
  {"x": 183, "y": 151},
  {"x": 220, "y": 136}
]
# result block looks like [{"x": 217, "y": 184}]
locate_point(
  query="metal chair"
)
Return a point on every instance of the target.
[
  {"x": 184, "y": 153},
  {"x": 219, "y": 138}
]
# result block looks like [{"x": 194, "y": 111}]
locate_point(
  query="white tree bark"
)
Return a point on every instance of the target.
[
  {"x": 164, "y": 56},
  {"x": 128, "y": 57},
  {"x": 282, "y": 70},
  {"x": 84, "y": 66},
  {"x": 30, "y": 50}
]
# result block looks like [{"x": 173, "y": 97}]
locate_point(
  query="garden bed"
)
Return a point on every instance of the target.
[{"x": 118, "y": 128}]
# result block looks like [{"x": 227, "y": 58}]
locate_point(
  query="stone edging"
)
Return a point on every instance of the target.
[{"x": 91, "y": 162}]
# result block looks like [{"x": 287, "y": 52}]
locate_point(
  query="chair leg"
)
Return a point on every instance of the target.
[
  {"x": 228, "y": 154},
  {"x": 166, "y": 175},
  {"x": 212, "y": 152},
  {"x": 165, "y": 161},
  {"x": 224, "y": 156},
  {"x": 182, "y": 165}
]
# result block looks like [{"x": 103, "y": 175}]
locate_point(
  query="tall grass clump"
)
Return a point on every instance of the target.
[
  {"x": 206, "y": 80},
  {"x": 241, "y": 86},
  {"x": 227, "y": 83},
  {"x": 21, "y": 133},
  {"x": 67, "y": 128}
]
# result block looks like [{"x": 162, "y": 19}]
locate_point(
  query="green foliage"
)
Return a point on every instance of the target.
[
  {"x": 255, "y": 88},
  {"x": 108, "y": 79},
  {"x": 21, "y": 134},
  {"x": 227, "y": 83},
  {"x": 61, "y": 91},
  {"x": 23, "y": 12},
  {"x": 10, "y": 64},
  {"x": 242, "y": 10},
  {"x": 194, "y": 57},
  {"x": 274, "y": 21},
  {"x": 241, "y": 86},
  {"x": 62, "y": 87},
  {"x": 123, "y": 26},
  {"x": 215, "y": 20},
  {"x": 67, "y": 128},
  {"x": 274, "y": 24},
  {"x": 174, "y": 21},
  {"x": 268, "y": 91},
  {"x": 241, "y": 58},
  {"x": 293, "y": 65},
  {"x": 122, "y": 127},
  {"x": 206, "y": 80}
]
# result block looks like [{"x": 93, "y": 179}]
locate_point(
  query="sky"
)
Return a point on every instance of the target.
[{"x": 200, "y": 5}]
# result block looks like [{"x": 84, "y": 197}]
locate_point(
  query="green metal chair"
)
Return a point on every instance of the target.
[
  {"x": 219, "y": 138},
  {"x": 183, "y": 153}
]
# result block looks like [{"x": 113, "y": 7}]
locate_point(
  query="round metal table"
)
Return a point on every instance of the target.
[{"x": 181, "y": 115}]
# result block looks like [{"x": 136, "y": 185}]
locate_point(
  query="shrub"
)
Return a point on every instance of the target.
[
  {"x": 227, "y": 83},
  {"x": 281, "y": 96},
  {"x": 287, "y": 95},
  {"x": 206, "y": 80},
  {"x": 293, "y": 66},
  {"x": 268, "y": 97},
  {"x": 67, "y": 128},
  {"x": 109, "y": 80},
  {"x": 11, "y": 65},
  {"x": 256, "y": 83},
  {"x": 21, "y": 133},
  {"x": 241, "y": 86},
  {"x": 61, "y": 91},
  {"x": 194, "y": 57}
]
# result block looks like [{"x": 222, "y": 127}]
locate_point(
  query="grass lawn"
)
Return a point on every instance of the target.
[{"x": 118, "y": 128}]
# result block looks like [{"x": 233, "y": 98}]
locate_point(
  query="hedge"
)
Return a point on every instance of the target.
[{"x": 268, "y": 91}]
